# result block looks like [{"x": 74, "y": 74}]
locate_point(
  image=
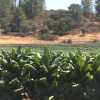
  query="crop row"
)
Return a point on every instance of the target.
[{"x": 49, "y": 76}]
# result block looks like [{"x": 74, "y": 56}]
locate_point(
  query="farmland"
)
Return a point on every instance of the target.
[
  {"x": 48, "y": 75},
  {"x": 65, "y": 48}
]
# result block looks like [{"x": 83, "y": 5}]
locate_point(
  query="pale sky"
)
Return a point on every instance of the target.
[{"x": 60, "y": 4}]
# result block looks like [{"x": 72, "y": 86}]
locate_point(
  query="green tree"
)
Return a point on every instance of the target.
[
  {"x": 87, "y": 7},
  {"x": 33, "y": 8},
  {"x": 4, "y": 13},
  {"x": 18, "y": 17},
  {"x": 75, "y": 12}
]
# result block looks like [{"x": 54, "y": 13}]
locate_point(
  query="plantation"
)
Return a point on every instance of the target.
[{"x": 49, "y": 75}]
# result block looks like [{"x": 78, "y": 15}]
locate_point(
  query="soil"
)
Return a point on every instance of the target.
[{"x": 6, "y": 39}]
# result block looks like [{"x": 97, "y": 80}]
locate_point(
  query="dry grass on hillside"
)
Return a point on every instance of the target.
[{"x": 4, "y": 39}]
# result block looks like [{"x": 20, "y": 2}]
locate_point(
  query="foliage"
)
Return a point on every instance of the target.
[
  {"x": 7, "y": 30},
  {"x": 34, "y": 27},
  {"x": 75, "y": 12},
  {"x": 83, "y": 31},
  {"x": 49, "y": 75},
  {"x": 87, "y": 7},
  {"x": 69, "y": 41},
  {"x": 25, "y": 28},
  {"x": 33, "y": 8},
  {"x": 4, "y": 13},
  {"x": 96, "y": 40},
  {"x": 44, "y": 30},
  {"x": 48, "y": 37},
  {"x": 18, "y": 17}
]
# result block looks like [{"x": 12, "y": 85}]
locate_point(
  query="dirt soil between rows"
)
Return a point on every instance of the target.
[{"x": 6, "y": 39}]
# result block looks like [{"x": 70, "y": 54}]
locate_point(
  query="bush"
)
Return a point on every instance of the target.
[
  {"x": 64, "y": 41},
  {"x": 7, "y": 30},
  {"x": 44, "y": 30},
  {"x": 69, "y": 41},
  {"x": 48, "y": 37},
  {"x": 34, "y": 28},
  {"x": 83, "y": 31},
  {"x": 25, "y": 28},
  {"x": 96, "y": 40}
]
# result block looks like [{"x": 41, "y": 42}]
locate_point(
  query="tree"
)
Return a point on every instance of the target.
[
  {"x": 75, "y": 12},
  {"x": 18, "y": 17},
  {"x": 4, "y": 13},
  {"x": 33, "y": 8},
  {"x": 97, "y": 7},
  {"x": 87, "y": 7}
]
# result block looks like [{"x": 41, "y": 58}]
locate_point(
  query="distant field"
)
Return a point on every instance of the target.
[{"x": 65, "y": 48}]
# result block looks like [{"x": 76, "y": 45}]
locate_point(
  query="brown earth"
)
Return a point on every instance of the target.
[{"x": 5, "y": 39}]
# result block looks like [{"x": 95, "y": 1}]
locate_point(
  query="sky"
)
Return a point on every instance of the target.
[{"x": 60, "y": 4}]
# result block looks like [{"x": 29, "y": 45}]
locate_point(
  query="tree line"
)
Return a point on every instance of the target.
[{"x": 13, "y": 14}]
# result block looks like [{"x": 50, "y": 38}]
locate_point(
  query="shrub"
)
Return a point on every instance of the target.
[
  {"x": 25, "y": 28},
  {"x": 83, "y": 31},
  {"x": 95, "y": 40},
  {"x": 69, "y": 41},
  {"x": 64, "y": 41},
  {"x": 34, "y": 28},
  {"x": 48, "y": 37},
  {"x": 7, "y": 30},
  {"x": 44, "y": 30}
]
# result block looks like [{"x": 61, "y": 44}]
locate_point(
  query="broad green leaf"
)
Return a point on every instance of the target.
[
  {"x": 36, "y": 60},
  {"x": 39, "y": 90},
  {"x": 43, "y": 69},
  {"x": 27, "y": 50},
  {"x": 48, "y": 98},
  {"x": 90, "y": 91},
  {"x": 53, "y": 86},
  {"x": 86, "y": 77},
  {"x": 72, "y": 75},
  {"x": 18, "y": 91},
  {"x": 19, "y": 49},
  {"x": 43, "y": 82},
  {"x": 13, "y": 54},
  {"x": 46, "y": 58},
  {"x": 7, "y": 74},
  {"x": 79, "y": 52},
  {"x": 72, "y": 57},
  {"x": 14, "y": 82},
  {"x": 80, "y": 62}
]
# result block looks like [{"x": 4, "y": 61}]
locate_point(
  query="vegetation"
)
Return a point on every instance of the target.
[
  {"x": 48, "y": 37},
  {"x": 58, "y": 22},
  {"x": 49, "y": 75}
]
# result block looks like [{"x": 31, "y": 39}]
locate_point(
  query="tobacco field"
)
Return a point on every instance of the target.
[{"x": 49, "y": 75}]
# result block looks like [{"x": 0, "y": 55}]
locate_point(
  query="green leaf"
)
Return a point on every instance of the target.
[
  {"x": 46, "y": 58},
  {"x": 13, "y": 54},
  {"x": 90, "y": 91},
  {"x": 72, "y": 57},
  {"x": 19, "y": 49},
  {"x": 44, "y": 70},
  {"x": 80, "y": 62},
  {"x": 18, "y": 91},
  {"x": 86, "y": 77},
  {"x": 72, "y": 75},
  {"x": 7, "y": 74},
  {"x": 79, "y": 52},
  {"x": 43, "y": 82},
  {"x": 53, "y": 86},
  {"x": 48, "y": 98},
  {"x": 39, "y": 90},
  {"x": 14, "y": 82},
  {"x": 27, "y": 50}
]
